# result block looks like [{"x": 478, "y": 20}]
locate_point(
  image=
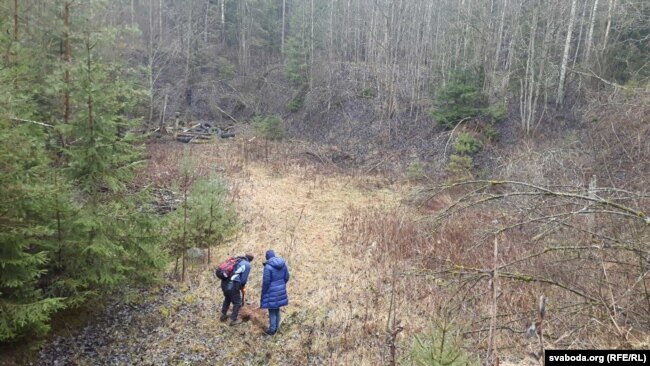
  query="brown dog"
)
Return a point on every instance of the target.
[{"x": 255, "y": 315}]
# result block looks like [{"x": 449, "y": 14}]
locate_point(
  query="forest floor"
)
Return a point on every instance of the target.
[{"x": 288, "y": 208}]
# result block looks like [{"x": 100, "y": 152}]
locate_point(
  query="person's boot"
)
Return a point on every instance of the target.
[
  {"x": 223, "y": 318},
  {"x": 269, "y": 332},
  {"x": 235, "y": 322}
]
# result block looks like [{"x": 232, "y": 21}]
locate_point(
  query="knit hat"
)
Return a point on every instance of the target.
[
  {"x": 270, "y": 254},
  {"x": 249, "y": 257}
]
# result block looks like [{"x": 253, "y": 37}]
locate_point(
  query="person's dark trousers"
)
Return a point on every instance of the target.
[
  {"x": 274, "y": 320},
  {"x": 231, "y": 294}
]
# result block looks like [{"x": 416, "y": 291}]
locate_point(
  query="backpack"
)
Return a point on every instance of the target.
[{"x": 226, "y": 269}]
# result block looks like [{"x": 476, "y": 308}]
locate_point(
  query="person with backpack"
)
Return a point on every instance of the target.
[
  {"x": 234, "y": 275},
  {"x": 274, "y": 289}
]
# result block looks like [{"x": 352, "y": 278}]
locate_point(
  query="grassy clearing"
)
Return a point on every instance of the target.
[{"x": 286, "y": 206}]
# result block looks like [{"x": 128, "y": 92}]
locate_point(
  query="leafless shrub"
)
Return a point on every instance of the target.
[
  {"x": 545, "y": 243},
  {"x": 585, "y": 250},
  {"x": 384, "y": 233}
]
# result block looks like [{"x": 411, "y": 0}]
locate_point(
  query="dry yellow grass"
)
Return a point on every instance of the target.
[{"x": 301, "y": 222}]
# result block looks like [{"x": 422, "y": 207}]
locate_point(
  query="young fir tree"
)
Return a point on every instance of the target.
[
  {"x": 25, "y": 219},
  {"x": 461, "y": 98},
  {"x": 178, "y": 225},
  {"x": 213, "y": 217},
  {"x": 204, "y": 218},
  {"x": 296, "y": 67},
  {"x": 26, "y": 196},
  {"x": 441, "y": 345}
]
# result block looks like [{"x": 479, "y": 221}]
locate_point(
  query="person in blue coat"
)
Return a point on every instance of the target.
[{"x": 274, "y": 289}]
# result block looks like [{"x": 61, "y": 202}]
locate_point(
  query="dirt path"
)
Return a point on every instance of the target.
[{"x": 296, "y": 214}]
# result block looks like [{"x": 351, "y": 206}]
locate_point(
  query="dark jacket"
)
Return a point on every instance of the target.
[{"x": 274, "y": 284}]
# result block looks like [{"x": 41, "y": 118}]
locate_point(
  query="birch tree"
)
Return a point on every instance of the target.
[
  {"x": 565, "y": 55},
  {"x": 610, "y": 9},
  {"x": 590, "y": 34}
]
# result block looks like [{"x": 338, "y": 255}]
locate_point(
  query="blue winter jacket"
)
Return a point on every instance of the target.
[{"x": 274, "y": 284}]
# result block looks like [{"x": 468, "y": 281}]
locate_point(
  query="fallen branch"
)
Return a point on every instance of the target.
[
  {"x": 444, "y": 154},
  {"x": 30, "y": 121},
  {"x": 525, "y": 278},
  {"x": 623, "y": 210},
  {"x": 224, "y": 112},
  {"x": 309, "y": 153},
  {"x": 610, "y": 83}
]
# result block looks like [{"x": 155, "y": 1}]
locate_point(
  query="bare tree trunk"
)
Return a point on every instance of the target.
[
  {"x": 67, "y": 58},
  {"x": 330, "y": 53},
  {"x": 150, "y": 63},
  {"x": 372, "y": 47},
  {"x": 183, "y": 268},
  {"x": 506, "y": 79},
  {"x": 346, "y": 33},
  {"x": 243, "y": 47},
  {"x": 188, "y": 56},
  {"x": 424, "y": 55},
  {"x": 59, "y": 229},
  {"x": 610, "y": 8},
  {"x": 458, "y": 37},
  {"x": 397, "y": 25},
  {"x": 565, "y": 55},
  {"x": 591, "y": 218},
  {"x": 132, "y": 12},
  {"x": 162, "y": 129},
  {"x": 186, "y": 185},
  {"x": 357, "y": 34},
  {"x": 492, "y": 355},
  {"x": 12, "y": 55},
  {"x": 590, "y": 35},
  {"x": 466, "y": 31},
  {"x": 436, "y": 48},
  {"x": 527, "y": 84},
  {"x": 284, "y": 10},
  {"x": 89, "y": 97},
  {"x": 331, "y": 35},
  {"x": 15, "y": 35},
  {"x": 311, "y": 47},
  {"x": 582, "y": 17},
  {"x": 550, "y": 26},
  {"x": 388, "y": 44},
  {"x": 207, "y": 18},
  {"x": 176, "y": 123},
  {"x": 223, "y": 21},
  {"x": 500, "y": 36}
]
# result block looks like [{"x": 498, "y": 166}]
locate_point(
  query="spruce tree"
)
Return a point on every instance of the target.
[
  {"x": 25, "y": 212},
  {"x": 461, "y": 98},
  {"x": 24, "y": 218},
  {"x": 213, "y": 217},
  {"x": 204, "y": 217},
  {"x": 180, "y": 230}
]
